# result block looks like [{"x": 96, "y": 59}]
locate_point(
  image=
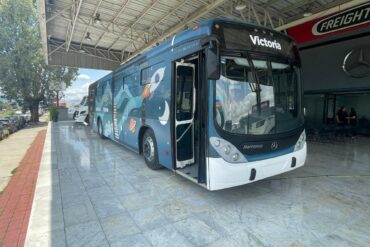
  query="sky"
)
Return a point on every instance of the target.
[{"x": 79, "y": 87}]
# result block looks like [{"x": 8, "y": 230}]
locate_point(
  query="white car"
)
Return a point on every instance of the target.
[{"x": 82, "y": 111}]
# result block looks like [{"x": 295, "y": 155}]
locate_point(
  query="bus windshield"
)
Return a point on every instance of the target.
[{"x": 257, "y": 97}]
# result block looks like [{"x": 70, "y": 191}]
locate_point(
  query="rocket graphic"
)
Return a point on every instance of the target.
[{"x": 154, "y": 82}]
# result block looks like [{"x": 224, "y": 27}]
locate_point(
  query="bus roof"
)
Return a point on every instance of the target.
[{"x": 203, "y": 29}]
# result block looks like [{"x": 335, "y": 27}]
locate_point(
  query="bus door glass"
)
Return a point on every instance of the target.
[{"x": 184, "y": 116}]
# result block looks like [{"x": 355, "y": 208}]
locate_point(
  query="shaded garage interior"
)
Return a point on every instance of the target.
[{"x": 327, "y": 87}]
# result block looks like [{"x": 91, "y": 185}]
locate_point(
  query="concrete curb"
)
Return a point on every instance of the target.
[{"x": 47, "y": 197}]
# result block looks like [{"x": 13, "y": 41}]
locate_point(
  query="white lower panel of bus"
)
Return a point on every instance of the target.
[{"x": 223, "y": 174}]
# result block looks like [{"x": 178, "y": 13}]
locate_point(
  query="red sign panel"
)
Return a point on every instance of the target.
[{"x": 344, "y": 21}]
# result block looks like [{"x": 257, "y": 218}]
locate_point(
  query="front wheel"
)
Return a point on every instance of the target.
[{"x": 150, "y": 153}]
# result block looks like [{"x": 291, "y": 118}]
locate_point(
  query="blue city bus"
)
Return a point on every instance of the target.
[{"x": 219, "y": 103}]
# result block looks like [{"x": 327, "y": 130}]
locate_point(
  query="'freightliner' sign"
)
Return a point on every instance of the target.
[
  {"x": 346, "y": 19},
  {"x": 334, "y": 25}
]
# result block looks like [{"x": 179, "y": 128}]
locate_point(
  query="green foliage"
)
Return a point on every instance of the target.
[
  {"x": 53, "y": 113},
  {"x": 24, "y": 76},
  {"x": 8, "y": 113},
  {"x": 7, "y": 108}
]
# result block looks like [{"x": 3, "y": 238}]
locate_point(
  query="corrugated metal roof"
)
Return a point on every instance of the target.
[{"x": 125, "y": 27}]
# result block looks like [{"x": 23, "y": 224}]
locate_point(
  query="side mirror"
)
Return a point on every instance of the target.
[{"x": 213, "y": 60}]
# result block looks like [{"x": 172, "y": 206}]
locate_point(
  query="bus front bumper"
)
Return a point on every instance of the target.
[{"x": 223, "y": 174}]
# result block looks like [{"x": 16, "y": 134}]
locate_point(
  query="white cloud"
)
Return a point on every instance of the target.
[
  {"x": 74, "y": 94},
  {"x": 83, "y": 77}
]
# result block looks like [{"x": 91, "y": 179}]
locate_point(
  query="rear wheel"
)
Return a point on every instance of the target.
[
  {"x": 150, "y": 152},
  {"x": 100, "y": 129}
]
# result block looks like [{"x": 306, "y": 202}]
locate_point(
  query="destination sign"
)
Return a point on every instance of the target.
[{"x": 252, "y": 38}]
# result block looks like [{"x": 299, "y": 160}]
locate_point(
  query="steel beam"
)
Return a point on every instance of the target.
[
  {"x": 58, "y": 13},
  {"x": 42, "y": 21},
  {"x": 84, "y": 23},
  {"x": 332, "y": 10},
  {"x": 71, "y": 27},
  {"x": 58, "y": 47},
  {"x": 113, "y": 21},
  {"x": 135, "y": 22},
  {"x": 74, "y": 47},
  {"x": 91, "y": 21},
  {"x": 191, "y": 18}
]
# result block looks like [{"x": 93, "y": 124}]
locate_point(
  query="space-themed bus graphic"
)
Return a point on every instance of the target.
[{"x": 219, "y": 104}]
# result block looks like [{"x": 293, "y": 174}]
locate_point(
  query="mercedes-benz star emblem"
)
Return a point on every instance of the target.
[
  {"x": 274, "y": 145},
  {"x": 357, "y": 62}
]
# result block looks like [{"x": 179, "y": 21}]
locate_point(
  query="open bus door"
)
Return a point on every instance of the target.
[{"x": 184, "y": 114}]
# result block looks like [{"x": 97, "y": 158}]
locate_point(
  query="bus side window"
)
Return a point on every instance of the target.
[
  {"x": 145, "y": 79},
  {"x": 184, "y": 94}
]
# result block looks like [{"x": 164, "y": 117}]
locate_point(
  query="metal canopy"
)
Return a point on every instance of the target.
[{"x": 102, "y": 34}]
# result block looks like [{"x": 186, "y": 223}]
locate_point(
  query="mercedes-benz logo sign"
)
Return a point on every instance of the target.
[
  {"x": 274, "y": 145},
  {"x": 357, "y": 63}
]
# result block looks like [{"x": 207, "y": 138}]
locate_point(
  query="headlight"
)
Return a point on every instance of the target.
[
  {"x": 301, "y": 141},
  {"x": 227, "y": 150}
]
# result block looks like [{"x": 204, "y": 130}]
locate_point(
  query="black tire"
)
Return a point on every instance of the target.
[
  {"x": 100, "y": 129},
  {"x": 87, "y": 119},
  {"x": 150, "y": 152}
]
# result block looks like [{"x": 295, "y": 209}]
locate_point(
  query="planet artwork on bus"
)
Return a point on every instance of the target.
[
  {"x": 132, "y": 125},
  {"x": 166, "y": 114}
]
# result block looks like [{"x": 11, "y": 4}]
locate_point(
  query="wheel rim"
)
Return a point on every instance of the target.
[{"x": 148, "y": 148}]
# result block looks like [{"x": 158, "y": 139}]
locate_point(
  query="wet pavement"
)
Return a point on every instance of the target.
[{"x": 93, "y": 192}]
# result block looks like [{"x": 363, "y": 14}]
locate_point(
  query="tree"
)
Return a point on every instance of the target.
[
  {"x": 24, "y": 75},
  {"x": 61, "y": 79}
]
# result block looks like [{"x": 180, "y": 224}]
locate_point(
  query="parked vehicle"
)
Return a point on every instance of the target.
[
  {"x": 4, "y": 131},
  {"x": 19, "y": 121},
  {"x": 10, "y": 124},
  {"x": 81, "y": 113},
  {"x": 27, "y": 116},
  {"x": 15, "y": 121},
  {"x": 219, "y": 104}
]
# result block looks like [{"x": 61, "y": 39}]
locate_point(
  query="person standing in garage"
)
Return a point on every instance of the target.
[
  {"x": 339, "y": 117},
  {"x": 342, "y": 121},
  {"x": 353, "y": 121}
]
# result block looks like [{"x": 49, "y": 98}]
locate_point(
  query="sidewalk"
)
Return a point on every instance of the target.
[
  {"x": 13, "y": 149},
  {"x": 16, "y": 199}
]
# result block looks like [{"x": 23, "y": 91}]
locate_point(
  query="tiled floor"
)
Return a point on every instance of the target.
[{"x": 93, "y": 192}]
